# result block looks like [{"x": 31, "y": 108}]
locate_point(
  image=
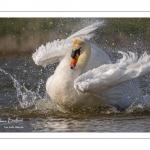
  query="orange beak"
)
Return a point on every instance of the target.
[{"x": 74, "y": 61}]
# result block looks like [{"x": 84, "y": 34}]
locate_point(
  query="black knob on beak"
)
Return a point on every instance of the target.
[{"x": 74, "y": 52}]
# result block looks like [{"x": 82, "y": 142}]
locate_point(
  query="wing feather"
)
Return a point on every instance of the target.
[
  {"x": 111, "y": 75},
  {"x": 54, "y": 51}
]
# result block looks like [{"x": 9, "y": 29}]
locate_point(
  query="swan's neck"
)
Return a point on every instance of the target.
[
  {"x": 64, "y": 67},
  {"x": 84, "y": 57}
]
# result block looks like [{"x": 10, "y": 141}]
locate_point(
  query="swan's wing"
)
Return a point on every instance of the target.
[
  {"x": 111, "y": 75},
  {"x": 53, "y": 52},
  {"x": 85, "y": 31}
]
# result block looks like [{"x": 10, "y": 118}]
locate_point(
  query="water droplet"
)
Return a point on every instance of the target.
[{"x": 51, "y": 23}]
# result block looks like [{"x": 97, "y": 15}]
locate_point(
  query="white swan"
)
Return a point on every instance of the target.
[{"x": 85, "y": 76}]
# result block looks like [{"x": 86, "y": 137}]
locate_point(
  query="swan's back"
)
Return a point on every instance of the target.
[{"x": 98, "y": 57}]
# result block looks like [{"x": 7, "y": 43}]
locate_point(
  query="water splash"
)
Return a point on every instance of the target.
[
  {"x": 139, "y": 100},
  {"x": 132, "y": 94},
  {"x": 25, "y": 97}
]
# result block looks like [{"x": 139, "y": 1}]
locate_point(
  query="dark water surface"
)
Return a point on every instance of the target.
[{"x": 25, "y": 108}]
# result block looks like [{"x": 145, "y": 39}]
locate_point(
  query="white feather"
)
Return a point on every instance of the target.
[
  {"x": 111, "y": 75},
  {"x": 54, "y": 52},
  {"x": 95, "y": 78}
]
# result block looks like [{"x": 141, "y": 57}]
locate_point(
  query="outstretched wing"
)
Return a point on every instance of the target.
[
  {"x": 111, "y": 75},
  {"x": 53, "y": 52}
]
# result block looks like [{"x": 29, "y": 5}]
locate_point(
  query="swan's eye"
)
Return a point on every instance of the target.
[{"x": 74, "y": 52}]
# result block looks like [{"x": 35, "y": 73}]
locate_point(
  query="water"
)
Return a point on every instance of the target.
[{"x": 25, "y": 106}]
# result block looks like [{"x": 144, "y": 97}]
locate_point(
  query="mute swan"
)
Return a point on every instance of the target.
[{"x": 85, "y": 76}]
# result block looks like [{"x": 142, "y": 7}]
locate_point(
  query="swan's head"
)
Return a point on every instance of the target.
[{"x": 77, "y": 46}]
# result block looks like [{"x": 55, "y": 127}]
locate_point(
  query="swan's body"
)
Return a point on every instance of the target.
[
  {"x": 61, "y": 87},
  {"x": 93, "y": 80}
]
